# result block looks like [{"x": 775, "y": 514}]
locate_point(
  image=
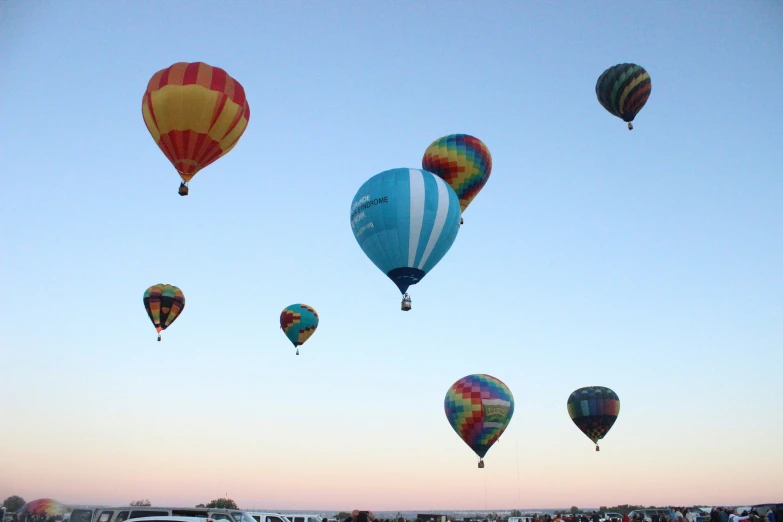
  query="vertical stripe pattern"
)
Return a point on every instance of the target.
[
  {"x": 405, "y": 220},
  {"x": 196, "y": 113}
]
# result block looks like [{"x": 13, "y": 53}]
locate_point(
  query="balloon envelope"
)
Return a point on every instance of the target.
[
  {"x": 479, "y": 408},
  {"x": 463, "y": 161},
  {"x": 405, "y": 220},
  {"x": 623, "y": 89},
  {"x": 298, "y": 322},
  {"x": 594, "y": 409},
  {"x": 44, "y": 506},
  {"x": 196, "y": 113},
  {"x": 164, "y": 303}
]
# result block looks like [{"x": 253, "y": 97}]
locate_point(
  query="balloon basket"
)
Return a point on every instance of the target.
[
  {"x": 630, "y": 126},
  {"x": 297, "y": 351},
  {"x": 183, "y": 189},
  {"x": 406, "y": 303},
  {"x": 597, "y": 448},
  {"x": 481, "y": 464},
  {"x": 158, "y": 337}
]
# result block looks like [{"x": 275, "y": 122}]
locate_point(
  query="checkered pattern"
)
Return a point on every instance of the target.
[
  {"x": 479, "y": 408},
  {"x": 463, "y": 161},
  {"x": 594, "y": 410},
  {"x": 298, "y": 322}
]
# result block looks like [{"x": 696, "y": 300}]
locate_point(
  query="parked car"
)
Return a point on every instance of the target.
[
  {"x": 261, "y": 516},
  {"x": 303, "y": 517},
  {"x": 611, "y": 517},
  {"x": 648, "y": 513}
]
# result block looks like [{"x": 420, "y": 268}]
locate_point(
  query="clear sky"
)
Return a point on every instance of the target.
[{"x": 646, "y": 261}]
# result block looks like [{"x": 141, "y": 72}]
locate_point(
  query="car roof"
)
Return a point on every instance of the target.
[
  {"x": 174, "y": 519},
  {"x": 153, "y": 508}
]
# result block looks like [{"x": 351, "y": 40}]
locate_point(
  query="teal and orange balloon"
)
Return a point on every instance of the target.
[
  {"x": 298, "y": 322},
  {"x": 461, "y": 160},
  {"x": 623, "y": 89},
  {"x": 594, "y": 410},
  {"x": 479, "y": 408},
  {"x": 164, "y": 303}
]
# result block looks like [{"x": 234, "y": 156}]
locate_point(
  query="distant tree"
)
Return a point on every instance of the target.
[
  {"x": 201, "y": 505},
  {"x": 574, "y": 510},
  {"x": 516, "y": 513},
  {"x": 13, "y": 503},
  {"x": 145, "y": 502},
  {"x": 223, "y": 503},
  {"x": 342, "y": 515},
  {"x": 603, "y": 509}
]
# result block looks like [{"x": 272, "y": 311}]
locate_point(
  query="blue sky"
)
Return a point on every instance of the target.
[{"x": 647, "y": 261}]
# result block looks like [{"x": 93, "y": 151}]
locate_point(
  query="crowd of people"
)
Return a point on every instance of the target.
[{"x": 771, "y": 513}]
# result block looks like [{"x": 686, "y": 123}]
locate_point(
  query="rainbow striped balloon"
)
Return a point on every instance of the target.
[
  {"x": 463, "y": 161},
  {"x": 623, "y": 89},
  {"x": 164, "y": 303},
  {"x": 479, "y": 408}
]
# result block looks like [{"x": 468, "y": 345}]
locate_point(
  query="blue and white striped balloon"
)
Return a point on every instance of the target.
[{"x": 405, "y": 221}]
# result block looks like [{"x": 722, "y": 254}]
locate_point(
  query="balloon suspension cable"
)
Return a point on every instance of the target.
[
  {"x": 630, "y": 126},
  {"x": 481, "y": 463},
  {"x": 597, "y": 448},
  {"x": 158, "y": 337}
]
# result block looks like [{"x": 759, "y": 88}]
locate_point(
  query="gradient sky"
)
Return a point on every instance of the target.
[{"x": 646, "y": 261}]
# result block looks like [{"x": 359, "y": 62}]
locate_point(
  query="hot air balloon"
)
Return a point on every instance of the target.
[
  {"x": 479, "y": 408},
  {"x": 594, "y": 410},
  {"x": 45, "y": 507},
  {"x": 164, "y": 303},
  {"x": 196, "y": 113},
  {"x": 623, "y": 90},
  {"x": 463, "y": 161},
  {"x": 298, "y": 322},
  {"x": 405, "y": 220}
]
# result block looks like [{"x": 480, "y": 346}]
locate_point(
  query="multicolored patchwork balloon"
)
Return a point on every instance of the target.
[
  {"x": 43, "y": 506},
  {"x": 298, "y": 322},
  {"x": 463, "y": 161},
  {"x": 623, "y": 90},
  {"x": 594, "y": 410},
  {"x": 196, "y": 113},
  {"x": 479, "y": 408},
  {"x": 405, "y": 220},
  {"x": 164, "y": 303}
]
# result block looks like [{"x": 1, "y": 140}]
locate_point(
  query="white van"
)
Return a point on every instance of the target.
[
  {"x": 261, "y": 516},
  {"x": 123, "y": 513}
]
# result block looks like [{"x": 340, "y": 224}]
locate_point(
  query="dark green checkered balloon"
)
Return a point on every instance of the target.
[{"x": 594, "y": 410}]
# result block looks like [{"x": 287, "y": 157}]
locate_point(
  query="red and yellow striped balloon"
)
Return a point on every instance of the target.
[{"x": 196, "y": 113}]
